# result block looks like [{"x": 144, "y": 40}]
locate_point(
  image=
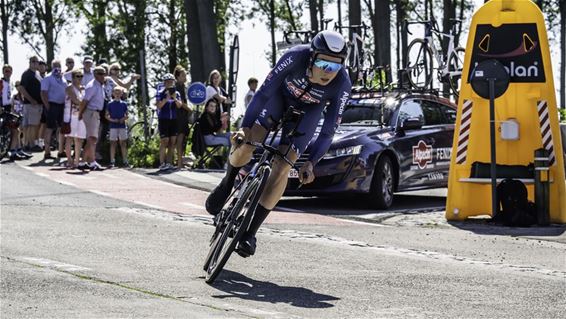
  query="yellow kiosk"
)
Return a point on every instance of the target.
[{"x": 512, "y": 32}]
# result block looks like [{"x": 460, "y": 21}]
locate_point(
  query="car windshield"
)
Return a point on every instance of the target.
[{"x": 371, "y": 112}]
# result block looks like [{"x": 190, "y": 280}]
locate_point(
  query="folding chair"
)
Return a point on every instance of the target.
[{"x": 202, "y": 151}]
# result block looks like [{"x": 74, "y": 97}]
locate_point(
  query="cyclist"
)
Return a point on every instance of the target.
[{"x": 309, "y": 78}]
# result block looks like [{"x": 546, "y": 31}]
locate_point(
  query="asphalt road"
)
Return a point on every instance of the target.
[{"x": 67, "y": 252}]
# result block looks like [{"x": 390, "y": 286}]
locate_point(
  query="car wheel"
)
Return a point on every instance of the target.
[{"x": 382, "y": 184}]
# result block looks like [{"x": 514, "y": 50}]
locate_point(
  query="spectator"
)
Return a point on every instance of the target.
[
  {"x": 211, "y": 127},
  {"x": 215, "y": 90},
  {"x": 91, "y": 105},
  {"x": 68, "y": 74},
  {"x": 30, "y": 89},
  {"x": 115, "y": 73},
  {"x": 117, "y": 115},
  {"x": 17, "y": 106},
  {"x": 53, "y": 96},
  {"x": 42, "y": 68},
  {"x": 182, "y": 114},
  {"x": 74, "y": 96},
  {"x": 5, "y": 88},
  {"x": 168, "y": 102},
  {"x": 16, "y": 153},
  {"x": 252, "y": 84},
  {"x": 87, "y": 70}
]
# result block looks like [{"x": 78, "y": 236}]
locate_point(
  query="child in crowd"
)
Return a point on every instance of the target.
[{"x": 117, "y": 115}]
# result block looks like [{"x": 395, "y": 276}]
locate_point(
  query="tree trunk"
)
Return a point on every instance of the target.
[
  {"x": 209, "y": 36},
  {"x": 173, "y": 39},
  {"x": 402, "y": 37},
  {"x": 272, "y": 27},
  {"x": 321, "y": 13},
  {"x": 562, "y": 5},
  {"x": 313, "y": 15},
  {"x": 5, "y": 20},
  {"x": 449, "y": 13},
  {"x": 49, "y": 33},
  {"x": 194, "y": 41},
  {"x": 99, "y": 30},
  {"x": 382, "y": 34},
  {"x": 354, "y": 14}
]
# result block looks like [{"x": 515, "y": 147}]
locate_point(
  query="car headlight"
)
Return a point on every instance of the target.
[{"x": 346, "y": 151}]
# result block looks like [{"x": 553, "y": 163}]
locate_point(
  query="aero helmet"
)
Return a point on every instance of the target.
[{"x": 330, "y": 43}]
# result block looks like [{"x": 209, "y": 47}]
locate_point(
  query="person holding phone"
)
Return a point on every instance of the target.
[{"x": 168, "y": 101}]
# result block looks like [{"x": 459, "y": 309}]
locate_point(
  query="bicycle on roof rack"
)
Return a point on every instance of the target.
[
  {"x": 421, "y": 51},
  {"x": 238, "y": 211},
  {"x": 357, "y": 62}
]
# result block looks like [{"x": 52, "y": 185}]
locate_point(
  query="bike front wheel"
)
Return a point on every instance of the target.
[
  {"x": 455, "y": 66},
  {"x": 419, "y": 65},
  {"x": 235, "y": 224}
]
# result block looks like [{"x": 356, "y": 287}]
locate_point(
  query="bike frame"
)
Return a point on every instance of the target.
[{"x": 441, "y": 59}]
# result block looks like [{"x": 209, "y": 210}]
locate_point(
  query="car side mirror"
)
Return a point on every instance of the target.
[{"x": 413, "y": 123}]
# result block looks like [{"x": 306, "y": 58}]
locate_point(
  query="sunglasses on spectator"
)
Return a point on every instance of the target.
[
  {"x": 114, "y": 69},
  {"x": 78, "y": 76},
  {"x": 70, "y": 62},
  {"x": 99, "y": 73},
  {"x": 327, "y": 66}
]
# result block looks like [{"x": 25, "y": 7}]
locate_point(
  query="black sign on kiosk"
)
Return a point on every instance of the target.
[{"x": 490, "y": 80}]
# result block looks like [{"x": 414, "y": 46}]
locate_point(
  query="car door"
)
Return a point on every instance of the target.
[
  {"x": 439, "y": 121},
  {"x": 413, "y": 146}
]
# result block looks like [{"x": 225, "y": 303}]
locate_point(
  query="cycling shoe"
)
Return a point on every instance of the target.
[
  {"x": 215, "y": 201},
  {"x": 246, "y": 246}
]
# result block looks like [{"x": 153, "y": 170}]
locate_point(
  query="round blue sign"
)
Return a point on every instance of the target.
[{"x": 196, "y": 93}]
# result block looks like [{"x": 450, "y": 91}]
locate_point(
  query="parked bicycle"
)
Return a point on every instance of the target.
[
  {"x": 422, "y": 52},
  {"x": 235, "y": 218}
]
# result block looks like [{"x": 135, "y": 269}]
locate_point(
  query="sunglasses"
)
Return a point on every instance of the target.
[
  {"x": 78, "y": 76},
  {"x": 327, "y": 66},
  {"x": 99, "y": 73}
]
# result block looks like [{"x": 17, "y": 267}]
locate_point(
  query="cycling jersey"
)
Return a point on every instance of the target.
[
  {"x": 288, "y": 85},
  {"x": 169, "y": 110}
]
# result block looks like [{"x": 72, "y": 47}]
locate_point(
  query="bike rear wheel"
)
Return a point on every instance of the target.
[
  {"x": 455, "y": 66},
  {"x": 235, "y": 224},
  {"x": 419, "y": 65}
]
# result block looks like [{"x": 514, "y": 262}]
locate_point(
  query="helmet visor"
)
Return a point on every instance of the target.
[{"x": 327, "y": 66}]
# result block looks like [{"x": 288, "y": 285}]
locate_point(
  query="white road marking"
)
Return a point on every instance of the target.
[
  {"x": 291, "y": 210},
  {"x": 42, "y": 175},
  {"x": 146, "y": 204},
  {"x": 193, "y": 205},
  {"x": 65, "y": 183},
  {"x": 54, "y": 264},
  {"x": 99, "y": 192},
  {"x": 27, "y": 167}
]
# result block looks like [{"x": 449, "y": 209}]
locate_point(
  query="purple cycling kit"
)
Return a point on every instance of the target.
[{"x": 288, "y": 85}]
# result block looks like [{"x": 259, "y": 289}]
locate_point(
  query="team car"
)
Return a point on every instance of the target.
[{"x": 386, "y": 143}]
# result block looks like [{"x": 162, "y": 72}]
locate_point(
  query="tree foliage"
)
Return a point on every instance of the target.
[{"x": 39, "y": 23}]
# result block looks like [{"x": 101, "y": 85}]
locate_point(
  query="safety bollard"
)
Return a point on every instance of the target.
[{"x": 542, "y": 186}]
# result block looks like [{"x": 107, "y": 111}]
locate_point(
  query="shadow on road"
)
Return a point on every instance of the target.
[
  {"x": 239, "y": 286},
  {"x": 485, "y": 226},
  {"x": 358, "y": 205}
]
